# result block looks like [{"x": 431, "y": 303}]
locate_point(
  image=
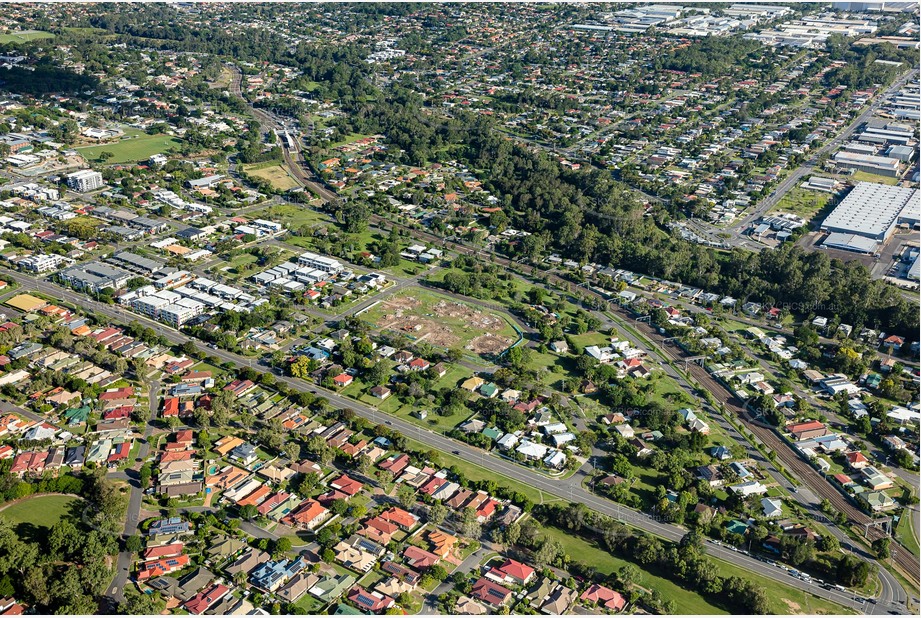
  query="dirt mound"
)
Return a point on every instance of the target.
[
  {"x": 473, "y": 317},
  {"x": 488, "y": 344}
]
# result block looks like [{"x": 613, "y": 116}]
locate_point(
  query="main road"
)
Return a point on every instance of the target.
[
  {"x": 795, "y": 176},
  {"x": 559, "y": 488}
]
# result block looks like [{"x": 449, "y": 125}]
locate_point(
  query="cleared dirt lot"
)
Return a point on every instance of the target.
[{"x": 444, "y": 322}]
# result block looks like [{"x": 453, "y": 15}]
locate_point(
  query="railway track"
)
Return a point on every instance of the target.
[{"x": 902, "y": 558}]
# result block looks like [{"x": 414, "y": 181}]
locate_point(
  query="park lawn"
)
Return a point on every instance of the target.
[
  {"x": 783, "y": 598},
  {"x": 906, "y": 534},
  {"x": 40, "y": 511},
  {"x": 868, "y": 177},
  {"x": 131, "y": 148},
  {"x": 24, "y": 36},
  {"x": 274, "y": 173},
  {"x": 803, "y": 202},
  {"x": 586, "y": 552}
]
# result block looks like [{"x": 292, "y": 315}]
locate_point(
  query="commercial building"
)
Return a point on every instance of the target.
[
  {"x": 884, "y": 166},
  {"x": 95, "y": 277},
  {"x": 84, "y": 180},
  {"x": 318, "y": 262},
  {"x": 870, "y": 211}
]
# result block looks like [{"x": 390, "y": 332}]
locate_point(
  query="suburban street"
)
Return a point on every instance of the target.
[
  {"x": 136, "y": 495},
  {"x": 556, "y": 488}
]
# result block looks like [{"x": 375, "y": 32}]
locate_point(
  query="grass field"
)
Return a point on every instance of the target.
[
  {"x": 443, "y": 321},
  {"x": 867, "y": 177},
  {"x": 293, "y": 215},
  {"x": 557, "y": 367},
  {"x": 24, "y": 36},
  {"x": 579, "y": 549},
  {"x": 33, "y": 517},
  {"x": 803, "y": 202},
  {"x": 783, "y": 598},
  {"x": 131, "y": 149},
  {"x": 273, "y": 173},
  {"x": 905, "y": 533}
]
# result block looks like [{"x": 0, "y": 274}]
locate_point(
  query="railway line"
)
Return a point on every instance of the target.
[
  {"x": 902, "y": 558},
  {"x": 906, "y": 563}
]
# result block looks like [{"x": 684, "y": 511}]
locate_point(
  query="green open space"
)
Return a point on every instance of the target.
[
  {"x": 24, "y": 36},
  {"x": 581, "y": 550},
  {"x": 555, "y": 367},
  {"x": 272, "y": 172},
  {"x": 783, "y": 598},
  {"x": 32, "y": 517},
  {"x": 349, "y": 139},
  {"x": 906, "y": 534},
  {"x": 803, "y": 202},
  {"x": 868, "y": 177},
  {"x": 359, "y": 389},
  {"x": 131, "y": 148},
  {"x": 292, "y": 215}
]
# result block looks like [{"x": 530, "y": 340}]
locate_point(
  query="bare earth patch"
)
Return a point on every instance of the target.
[
  {"x": 794, "y": 606},
  {"x": 488, "y": 344},
  {"x": 449, "y": 324}
]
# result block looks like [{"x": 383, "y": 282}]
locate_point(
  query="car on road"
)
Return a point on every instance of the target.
[{"x": 455, "y": 452}]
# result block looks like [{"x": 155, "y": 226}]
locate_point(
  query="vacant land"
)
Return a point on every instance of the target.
[
  {"x": 443, "y": 321},
  {"x": 24, "y": 36},
  {"x": 273, "y": 173},
  {"x": 293, "y": 215},
  {"x": 868, "y": 177},
  {"x": 803, "y": 202},
  {"x": 40, "y": 511},
  {"x": 784, "y": 598},
  {"x": 131, "y": 148},
  {"x": 905, "y": 533}
]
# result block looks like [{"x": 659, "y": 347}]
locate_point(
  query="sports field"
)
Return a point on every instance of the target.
[
  {"x": 41, "y": 511},
  {"x": 24, "y": 36},
  {"x": 131, "y": 148}
]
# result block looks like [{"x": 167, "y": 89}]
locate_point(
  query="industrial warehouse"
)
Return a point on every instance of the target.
[{"x": 869, "y": 215}]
